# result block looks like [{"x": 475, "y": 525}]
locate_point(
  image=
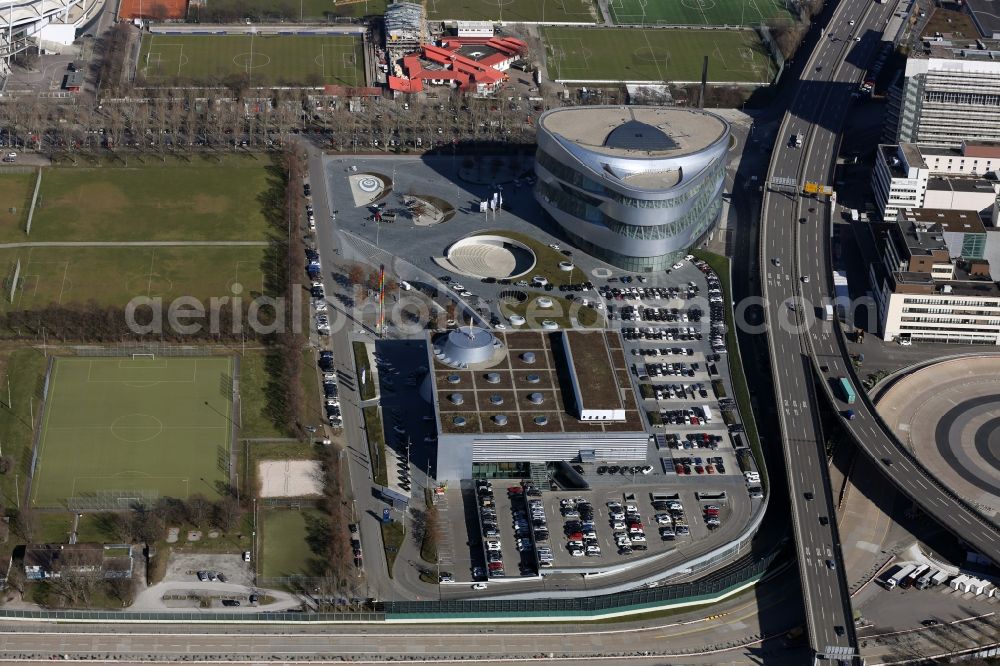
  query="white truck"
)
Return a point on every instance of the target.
[
  {"x": 926, "y": 580},
  {"x": 911, "y": 580},
  {"x": 797, "y": 140},
  {"x": 940, "y": 577},
  {"x": 707, "y": 411},
  {"x": 854, "y": 215},
  {"x": 892, "y": 581}
]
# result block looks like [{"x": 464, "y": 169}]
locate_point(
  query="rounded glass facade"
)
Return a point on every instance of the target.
[{"x": 636, "y": 207}]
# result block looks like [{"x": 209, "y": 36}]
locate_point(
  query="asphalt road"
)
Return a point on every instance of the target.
[
  {"x": 802, "y": 343},
  {"x": 789, "y": 251}
]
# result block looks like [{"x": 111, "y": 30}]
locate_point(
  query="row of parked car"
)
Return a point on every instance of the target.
[
  {"x": 663, "y": 351},
  {"x": 679, "y": 391},
  {"x": 693, "y": 440},
  {"x": 699, "y": 465},
  {"x": 579, "y": 527},
  {"x": 687, "y": 415},
  {"x": 672, "y": 369},
  {"x": 684, "y": 333},
  {"x": 648, "y": 293},
  {"x": 717, "y": 324},
  {"x": 331, "y": 398},
  {"x": 627, "y": 529}
]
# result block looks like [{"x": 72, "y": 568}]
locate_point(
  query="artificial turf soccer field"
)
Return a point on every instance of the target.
[
  {"x": 697, "y": 12},
  {"x": 630, "y": 54},
  {"x": 134, "y": 429},
  {"x": 559, "y": 11},
  {"x": 264, "y": 59}
]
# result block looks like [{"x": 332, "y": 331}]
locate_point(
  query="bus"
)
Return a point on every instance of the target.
[{"x": 847, "y": 390}]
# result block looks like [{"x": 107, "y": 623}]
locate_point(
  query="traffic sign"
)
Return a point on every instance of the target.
[{"x": 386, "y": 516}]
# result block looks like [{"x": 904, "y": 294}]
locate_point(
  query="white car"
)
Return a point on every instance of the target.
[
  {"x": 638, "y": 538},
  {"x": 677, "y": 265},
  {"x": 321, "y": 306},
  {"x": 479, "y": 586}
]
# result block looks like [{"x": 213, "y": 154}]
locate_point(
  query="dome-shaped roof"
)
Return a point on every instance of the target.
[
  {"x": 637, "y": 135},
  {"x": 465, "y": 346}
]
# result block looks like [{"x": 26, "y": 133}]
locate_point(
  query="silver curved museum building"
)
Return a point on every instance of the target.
[{"x": 633, "y": 185}]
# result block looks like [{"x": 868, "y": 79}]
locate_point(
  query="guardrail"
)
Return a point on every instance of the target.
[{"x": 716, "y": 587}]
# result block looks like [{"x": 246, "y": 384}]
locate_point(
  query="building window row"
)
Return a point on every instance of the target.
[
  {"x": 577, "y": 179},
  {"x": 583, "y": 207}
]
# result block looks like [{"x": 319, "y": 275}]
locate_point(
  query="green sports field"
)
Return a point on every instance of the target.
[
  {"x": 514, "y": 11},
  {"x": 15, "y": 194},
  {"x": 112, "y": 276},
  {"x": 287, "y": 542},
  {"x": 631, "y": 54},
  {"x": 130, "y": 428},
  {"x": 260, "y": 60},
  {"x": 199, "y": 201},
  {"x": 697, "y": 12}
]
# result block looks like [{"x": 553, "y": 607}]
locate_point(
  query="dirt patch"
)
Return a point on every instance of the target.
[
  {"x": 289, "y": 478},
  {"x": 104, "y": 198},
  {"x": 173, "y": 534}
]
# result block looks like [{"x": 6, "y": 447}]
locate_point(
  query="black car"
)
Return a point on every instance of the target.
[
  {"x": 602, "y": 469},
  {"x": 230, "y": 602},
  {"x": 306, "y": 189}
]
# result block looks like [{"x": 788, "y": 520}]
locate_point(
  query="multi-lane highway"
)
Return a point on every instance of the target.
[
  {"x": 791, "y": 247},
  {"x": 808, "y": 351}
]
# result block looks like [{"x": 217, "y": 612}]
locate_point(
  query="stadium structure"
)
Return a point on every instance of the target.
[
  {"x": 47, "y": 24},
  {"x": 632, "y": 185}
]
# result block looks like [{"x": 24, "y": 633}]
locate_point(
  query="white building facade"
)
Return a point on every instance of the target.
[
  {"x": 909, "y": 176},
  {"x": 950, "y": 93}
]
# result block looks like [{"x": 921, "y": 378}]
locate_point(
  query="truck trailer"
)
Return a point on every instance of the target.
[
  {"x": 910, "y": 580},
  {"x": 926, "y": 580},
  {"x": 892, "y": 581}
]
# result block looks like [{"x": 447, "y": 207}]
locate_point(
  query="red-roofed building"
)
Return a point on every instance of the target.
[{"x": 468, "y": 63}]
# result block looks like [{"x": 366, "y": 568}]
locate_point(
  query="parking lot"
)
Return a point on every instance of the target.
[{"x": 675, "y": 357}]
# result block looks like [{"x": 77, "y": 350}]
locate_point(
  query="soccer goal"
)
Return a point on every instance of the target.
[{"x": 145, "y": 356}]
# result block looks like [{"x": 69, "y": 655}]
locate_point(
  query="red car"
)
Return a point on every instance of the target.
[
  {"x": 575, "y": 536},
  {"x": 515, "y": 490},
  {"x": 699, "y": 469}
]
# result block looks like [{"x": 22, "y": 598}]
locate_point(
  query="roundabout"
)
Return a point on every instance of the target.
[{"x": 947, "y": 415}]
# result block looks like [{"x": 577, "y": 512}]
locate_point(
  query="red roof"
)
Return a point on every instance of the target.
[{"x": 454, "y": 66}]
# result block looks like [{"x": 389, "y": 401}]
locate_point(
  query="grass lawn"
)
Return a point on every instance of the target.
[
  {"x": 598, "y": 54},
  {"x": 314, "y": 413},
  {"x": 114, "y": 276},
  {"x": 200, "y": 201},
  {"x": 376, "y": 444},
  {"x": 697, "y": 12},
  {"x": 546, "y": 259},
  {"x": 127, "y": 426},
  {"x": 263, "y": 60},
  {"x": 15, "y": 193},
  {"x": 255, "y": 385},
  {"x": 285, "y": 542},
  {"x": 363, "y": 366},
  {"x": 392, "y": 540},
  {"x": 513, "y": 11},
  {"x": 720, "y": 265},
  {"x": 25, "y": 370}
]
